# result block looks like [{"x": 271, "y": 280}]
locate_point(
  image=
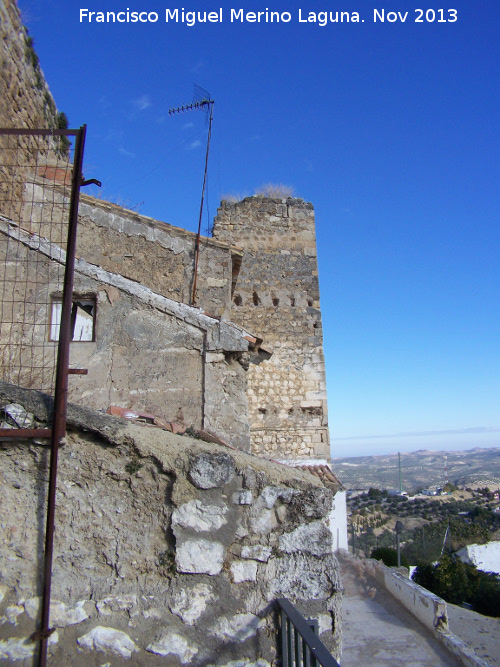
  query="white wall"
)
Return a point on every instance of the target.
[
  {"x": 338, "y": 521},
  {"x": 485, "y": 557}
]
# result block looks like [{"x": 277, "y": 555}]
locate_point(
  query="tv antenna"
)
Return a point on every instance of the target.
[{"x": 201, "y": 100}]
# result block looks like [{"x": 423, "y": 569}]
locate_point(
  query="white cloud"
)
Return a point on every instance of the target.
[
  {"x": 194, "y": 144},
  {"x": 142, "y": 103},
  {"x": 125, "y": 152}
]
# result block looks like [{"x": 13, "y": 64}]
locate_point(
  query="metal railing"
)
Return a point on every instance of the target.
[
  {"x": 300, "y": 646},
  {"x": 39, "y": 193}
]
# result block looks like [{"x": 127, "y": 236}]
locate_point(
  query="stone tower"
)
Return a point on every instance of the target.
[{"x": 276, "y": 296}]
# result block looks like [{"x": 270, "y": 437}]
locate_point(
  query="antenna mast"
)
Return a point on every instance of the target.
[
  {"x": 201, "y": 100},
  {"x": 400, "y": 486}
]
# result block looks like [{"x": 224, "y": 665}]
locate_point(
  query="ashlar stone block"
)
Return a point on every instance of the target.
[
  {"x": 199, "y": 556},
  {"x": 174, "y": 644},
  {"x": 108, "y": 640},
  {"x": 190, "y": 603},
  {"x": 244, "y": 571},
  {"x": 312, "y": 538},
  {"x": 257, "y": 552},
  {"x": 243, "y": 497},
  {"x": 199, "y": 516},
  {"x": 238, "y": 628}
]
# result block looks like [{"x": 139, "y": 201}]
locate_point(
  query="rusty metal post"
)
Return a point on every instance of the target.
[{"x": 61, "y": 393}]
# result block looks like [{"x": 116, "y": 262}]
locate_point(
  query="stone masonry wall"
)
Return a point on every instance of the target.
[
  {"x": 270, "y": 288},
  {"x": 148, "y": 353},
  {"x": 156, "y": 254},
  {"x": 168, "y": 551},
  {"x": 277, "y": 297},
  {"x": 25, "y": 98}
]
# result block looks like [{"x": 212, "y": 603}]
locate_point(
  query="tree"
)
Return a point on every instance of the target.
[
  {"x": 458, "y": 582},
  {"x": 389, "y": 557}
]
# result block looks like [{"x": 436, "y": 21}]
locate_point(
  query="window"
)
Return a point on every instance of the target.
[{"x": 82, "y": 319}]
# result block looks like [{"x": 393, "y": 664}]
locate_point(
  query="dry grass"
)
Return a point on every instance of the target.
[
  {"x": 234, "y": 197},
  {"x": 275, "y": 190},
  {"x": 271, "y": 190}
]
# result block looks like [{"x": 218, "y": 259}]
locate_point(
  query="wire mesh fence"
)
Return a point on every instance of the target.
[
  {"x": 40, "y": 178},
  {"x": 35, "y": 190}
]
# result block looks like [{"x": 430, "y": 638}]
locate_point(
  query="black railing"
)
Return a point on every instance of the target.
[{"x": 300, "y": 646}]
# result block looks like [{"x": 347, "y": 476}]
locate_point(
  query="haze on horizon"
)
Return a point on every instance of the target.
[{"x": 439, "y": 441}]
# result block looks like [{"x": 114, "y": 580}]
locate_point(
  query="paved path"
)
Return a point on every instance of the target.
[{"x": 378, "y": 631}]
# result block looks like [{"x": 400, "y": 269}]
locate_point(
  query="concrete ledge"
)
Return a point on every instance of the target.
[
  {"x": 460, "y": 649},
  {"x": 427, "y": 607},
  {"x": 430, "y": 609}
]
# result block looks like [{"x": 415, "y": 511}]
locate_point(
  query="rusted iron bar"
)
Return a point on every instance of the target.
[
  {"x": 61, "y": 391},
  {"x": 39, "y": 133},
  {"x": 78, "y": 371},
  {"x": 8, "y": 433}
]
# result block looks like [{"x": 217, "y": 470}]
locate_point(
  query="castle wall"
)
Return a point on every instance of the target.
[
  {"x": 142, "y": 351},
  {"x": 259, "y": 271},
  {"x": 156, "y": 254},
  {"x": 25, "y": 101},
  {"x": 276, "y": 295},
  {"x": 270, "y": 288},
  {"x": 25, "y": 98}
]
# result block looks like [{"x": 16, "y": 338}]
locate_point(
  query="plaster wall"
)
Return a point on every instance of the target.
[
  {"x": 338, "y": 522},
  {"x": 430, "y": 610},
  {"x": 427, "y": 607}
]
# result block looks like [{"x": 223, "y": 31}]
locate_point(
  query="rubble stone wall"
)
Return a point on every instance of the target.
[
  {"x": 168, "y": 550},
  {"x": 149, "y": 353},
  {"x": 156, "y": 254},
  {"x": 25, "y": 98},
  {"x": 277, "y": 295}
]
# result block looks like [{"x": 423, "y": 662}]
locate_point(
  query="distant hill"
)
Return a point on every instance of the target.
[{"x": 424, "y": 468}]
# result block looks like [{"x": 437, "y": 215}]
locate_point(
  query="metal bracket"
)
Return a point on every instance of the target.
[
  {"x": 41, "y": 634},
  {"x": 90, "y": 180}
]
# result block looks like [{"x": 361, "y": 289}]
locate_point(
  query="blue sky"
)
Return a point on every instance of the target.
[{"x": 391, "y": 131}]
